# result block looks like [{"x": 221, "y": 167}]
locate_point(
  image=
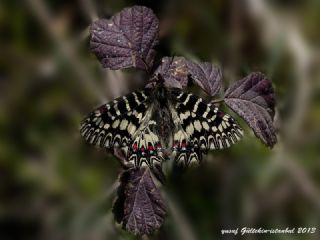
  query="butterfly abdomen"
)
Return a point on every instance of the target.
[{"x": 162, "y": 116}]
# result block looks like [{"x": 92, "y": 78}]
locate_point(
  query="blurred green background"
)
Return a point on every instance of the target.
[{"x": 55, "y": 186}]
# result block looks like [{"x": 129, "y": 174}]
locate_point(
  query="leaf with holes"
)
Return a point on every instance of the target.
[
  {"x": 253, "y": 99},
  {"x": 173, "y": 71},
  {"x": 208, "y": 76},
  {"x": 127, "y": 39},
  {"x": 139, "y": 205}
]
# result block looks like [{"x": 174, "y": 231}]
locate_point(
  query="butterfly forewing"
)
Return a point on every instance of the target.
[
  {"x": 113, "y": 124},
  {"x": 125, "y": 123},
  {"x": 200, "y": 127}
]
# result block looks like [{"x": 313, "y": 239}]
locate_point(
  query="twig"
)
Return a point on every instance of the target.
[
  {"x": 145, "y": 237},
  {"x": 147, "y": 68},
  {"x": 83, "y": 35},
  {"x": 114, "y": 80},
  {"x": 217, "y": 100},
  {"x": 89, "y": 9}
]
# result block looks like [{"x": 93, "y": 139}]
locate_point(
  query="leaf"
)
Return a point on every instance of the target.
[
  {"x": 253, "y": 99},
  {"x": 173, "y": 71},
  {"x": 208, "y": 76},
  {"x": 127, "y": 39},
  {"x": 139, "y": 205}
]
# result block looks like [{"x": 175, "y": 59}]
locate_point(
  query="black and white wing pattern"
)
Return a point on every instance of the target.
[
  {"x": 200, "y": 127},
  {"x": 146, "y": 149},
  {"x": 125, "y": 123}
]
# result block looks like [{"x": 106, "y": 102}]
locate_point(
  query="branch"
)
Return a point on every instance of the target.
[
  {"x": 90, "y": 9},
  {"x": 214, "y": 101}
]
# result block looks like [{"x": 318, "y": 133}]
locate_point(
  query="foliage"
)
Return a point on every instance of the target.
[
  {"x": 253, "y": 99},
  {"x": 55, "y": 186},
  {"x": 139, "y": 205},
  {"x": 127, "y": 40}
]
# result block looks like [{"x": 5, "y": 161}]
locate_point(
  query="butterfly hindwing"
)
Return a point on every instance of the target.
[
  {"x": 146, "y": 148},
  {"x": 200, "y": 127}
]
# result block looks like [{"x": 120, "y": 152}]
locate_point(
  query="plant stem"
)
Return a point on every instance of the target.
[
  {"x": 217, "y": 100},
  {"x": 147, "y": 68},
  {"x": 144, "y": 237}
]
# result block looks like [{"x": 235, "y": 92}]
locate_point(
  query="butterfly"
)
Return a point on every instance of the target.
[{"x": 148, "y": 123}]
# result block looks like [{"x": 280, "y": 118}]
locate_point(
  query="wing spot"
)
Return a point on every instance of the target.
[
  {"x": 127, "y": 103},
  {"x": 197, "y": 125},
  {"x": 123, "y": 124},
  {"x": 116, "y": 123},
  {"x": 142, "y": 93},
  {"x": 206, "y": 112},
  {"x": 180, "y": 95},
  {"x": 117, "y": 109},
  {"x": 136, "y": 97},
  {"x": 196, "y": 105},
  {"x": 190, "y": 129},
  {"x": 205, "y": 126},
  {"x": 187, "y": 99},
  {"x": 131, "y": 128},
  {"x": 184, "y": 116},
  {"x": 224, "y": 125}
]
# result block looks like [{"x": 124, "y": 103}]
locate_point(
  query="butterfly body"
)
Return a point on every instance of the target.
[
  {"x": 152, "y": 121},
  {"x": 160, "y": 102}
]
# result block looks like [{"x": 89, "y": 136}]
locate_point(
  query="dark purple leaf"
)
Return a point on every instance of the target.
[
  {"x": 174, "y": 72},
  {"x": 253, "y": 99},
  {"x": 139, "y": 205},
  {"x": 127, "y": 39},
  {"x": 206, "y": 75}
]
